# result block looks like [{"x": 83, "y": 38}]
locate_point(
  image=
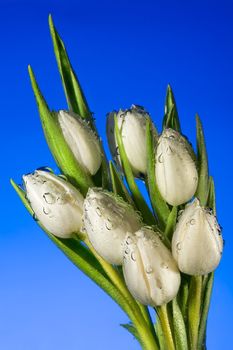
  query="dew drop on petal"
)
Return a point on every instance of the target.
[
  {"x": 159, "y": 284},
  {"x": 62, "y": 198},
  {"x": 169, "y": 151},
  {"x": 46, "y": 211},
  {"x": 108, "y": 224},
  {"x": 141, "y": 234},
  {"x": 178, "y": 246},
  {"x": 160, "y": 158},
  {"x": 35, "y": 217},
  {"x": 98, "y": 211},
  {"x": 149, "y": 269},
  {"x": 133, "y": 257},
  {"x": 192, "y": 222},
  {"x": 128, "y": 240},
  {"x": 164, "y": 265},
  {"x": 127, "y": 251},
  {"x": 49, "y": 198}
]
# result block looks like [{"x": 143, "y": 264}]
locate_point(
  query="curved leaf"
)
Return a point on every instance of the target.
[
  {"x": 73, "y": 91},
  {"x": 56, "y": 142},
  {"x": 202, "y": 161},
  {"x": 118, "y": 184},
  {"x": 159, "y": 206},
  {"x": 179, "y": 327}
]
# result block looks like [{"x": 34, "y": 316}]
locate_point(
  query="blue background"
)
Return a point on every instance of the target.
[{"x": 124, "y": 52}]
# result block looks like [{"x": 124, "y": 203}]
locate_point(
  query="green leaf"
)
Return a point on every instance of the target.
[
  {"x": 211, "y": 203},
  {"x": 181, "y": 340},
  {"x": 160, "y": 335},
  {"x": 208, "y": 279},
  {"x": 73, "y": 91},
  {"x": 137, "y": 196},
  {"x": 202, "y": 162},
  {"x": 59, "y": 148},
  {"x": 205, "y": 310},
  {"x": 131, "y": 329},
  {"x": 184, "y": 295},
  {"x": 194, "y": 310},
  {"x": 171, "y": 223},
  {"x": 171, "y": 118},
  {"x": 118, "y": 184},
  {"x": 159, "y": 206}
]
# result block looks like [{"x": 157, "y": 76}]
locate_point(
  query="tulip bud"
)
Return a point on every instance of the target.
[
  {"x": 175, "y": 169},
  {"x": 56, "y": 203},
  {"x": 107, "y": 218},
  {"x": 197, "y": 242},
  {"x": 150, "y": 271},
  {"x": 132, "y": 124},
  {"x": 82, "y": 141}
]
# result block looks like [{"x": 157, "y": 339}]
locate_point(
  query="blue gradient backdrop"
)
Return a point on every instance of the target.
[{"x": 124, "y": 52}]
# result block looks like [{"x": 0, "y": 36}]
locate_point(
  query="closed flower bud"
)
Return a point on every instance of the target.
[
  {"x": 56, "y": 203},
  {"x": 197, "y": 242},
  {"x": 107, "y": 218},
  {"x": 175, "y": 168},
  {"x": 149, "y": 269},
  {"x": 82, "y": 141},
  {"x": 132, "y": 124}
]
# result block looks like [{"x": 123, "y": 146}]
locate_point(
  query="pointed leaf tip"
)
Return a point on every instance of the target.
[{"x": 202, "y": 160}]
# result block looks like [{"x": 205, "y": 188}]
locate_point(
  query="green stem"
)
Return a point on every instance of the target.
[
  {"x": 205, "y": 310},
  {"x": 137, "y": 313},
  {"x": 163, "y": 316},
  {"x": 194, "y": 309}
]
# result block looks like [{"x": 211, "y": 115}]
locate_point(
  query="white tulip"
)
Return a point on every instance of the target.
[
  {"x": 132, "y": 124},
  {"x": 82, "y": 141},
  {"x": 107, "y": 218},
  {"x": 149, "y": 269},
  {"x": 197, "y": 242},
  {"x": 56, "y": 203},
  {"x": 175, "y": 169}
]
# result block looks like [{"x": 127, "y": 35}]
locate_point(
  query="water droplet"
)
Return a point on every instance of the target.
[
  {"x": 133, "y": 257},
  {"x": 180, "y": 213},
  {"x": 128, "y": 240},
  {"x": 160, "y": 158},
  {"x": 62, "y": 198},
  {"x": 127, "y": 251},
  {"x": 49, "y": 198},
  {"x": 192, "y": 221},
  {"x": 46, "y": 211},
  {"x": 159, "y": 284},
  {"x": 169, "y": 151},
  {"x": 164, "y": 265},
  {"x": 45, "y": 168},
  {"x": 141, "y": 234},
  {"x": 178, "y": 246},
  {"x": 98, "y": 211},
  {"x": 108, "y": 224},
  {"x": 35, "y": 217},
  {"x": 149, "y": 269}
]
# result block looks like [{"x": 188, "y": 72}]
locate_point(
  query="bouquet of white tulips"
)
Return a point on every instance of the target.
[{"x": 160, "y": 254}]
